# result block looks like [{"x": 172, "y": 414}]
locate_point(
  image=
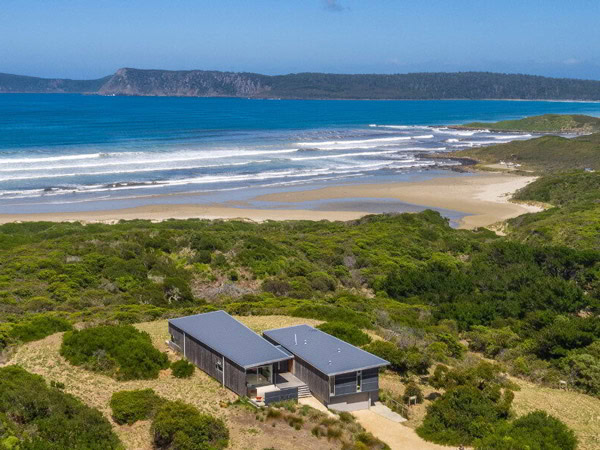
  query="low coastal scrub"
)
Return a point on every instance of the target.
[
  {"x": 120, "y": 351},
  {"x": 475, "y": 409},
  {"x": 130, "y": 406},
  {"x": 557, "y": 123},
  {"x": 403, "y": 361},
  {"x": 536, "y": 430},
  {"x": 543, "y": 155},
  {"x": 178, "y": 426},
  {"x": 182, "y": 369},
  {"x": 346, "y": 332},
  {"x": 34, "y": 415}
]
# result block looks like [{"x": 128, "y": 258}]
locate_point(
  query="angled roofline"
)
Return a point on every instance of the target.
[
  {"x": 284, "y": 357},
  {"x": 330, "y": 374}
]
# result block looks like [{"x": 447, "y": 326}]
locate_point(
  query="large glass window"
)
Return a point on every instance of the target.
[
  {"x": 332, "y": 385},
  {"x": 358, "y": 381},
  {"x": 259, "y": 376}
]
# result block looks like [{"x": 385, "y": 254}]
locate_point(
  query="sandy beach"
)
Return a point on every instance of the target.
[{"x": 483, "y": 197}]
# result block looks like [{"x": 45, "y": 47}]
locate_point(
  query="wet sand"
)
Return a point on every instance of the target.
[{"x": 483, "y": 197}]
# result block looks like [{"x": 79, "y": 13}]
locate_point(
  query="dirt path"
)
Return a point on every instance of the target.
[{"x": 396, "y": 435}]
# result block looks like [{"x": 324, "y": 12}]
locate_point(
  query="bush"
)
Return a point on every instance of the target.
[
  {"x": 36, "y": 416},
  {"x": 401, "y": 360},
  {"x": 460, "y": 416},
  {"x": 182, "y": 369},
  {"x": 121, "y": 351},
  {"x": 38, "y": 327},
  {"x": 412, "y": 390},
  {"x": 130, "y": 406},
  {"x": 534, "y": 431},
  {"x": 346, "y": 332},
  {"x": 179, "y": 426},
  {"x": 332, "y": 313}
]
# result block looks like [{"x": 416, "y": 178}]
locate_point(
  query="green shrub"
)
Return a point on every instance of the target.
[
  {"x": 321, "y": 281},
  {"x": 534, "y": 431},
  {"x": 346, "y": 332},
  {"x": 333, "y": 313},
  {"x": 182, "y": 369},
  {"x": 121, "y": 351},
  {"x": 460, "y": 416},
  {"x": 130, "y": 406},
  {"x": 179, "y": 426},
  {"x": 491, "y": 341},
  {"x": 401, "y": 360},
  {"x": 38, "y": 327},
  {"x": 46, "y": 418}
]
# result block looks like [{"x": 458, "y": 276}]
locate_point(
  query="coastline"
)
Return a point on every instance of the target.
[{"x": 483, "y": 198}]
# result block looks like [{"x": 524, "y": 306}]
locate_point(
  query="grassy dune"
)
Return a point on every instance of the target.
[
  {"x": 546, "y": 154},
  {"x": 43, "y": 358},
  {"x": 547, "y": 123}
]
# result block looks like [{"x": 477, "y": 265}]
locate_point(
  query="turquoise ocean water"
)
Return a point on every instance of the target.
[{"x": 74, "y": 152}]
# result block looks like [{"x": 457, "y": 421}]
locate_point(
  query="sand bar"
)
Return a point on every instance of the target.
[{"x": 484, "y": 197}]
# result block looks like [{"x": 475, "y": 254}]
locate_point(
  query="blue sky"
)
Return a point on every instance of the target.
[{"x": 88, "y": 39}]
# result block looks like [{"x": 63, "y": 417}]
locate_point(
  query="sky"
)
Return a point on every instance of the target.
[{"x": 92, "y": 38}]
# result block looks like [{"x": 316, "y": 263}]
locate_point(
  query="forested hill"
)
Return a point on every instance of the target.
[
  {"x": 198, "y": 83},
  {"x": 19, "y": 83}
]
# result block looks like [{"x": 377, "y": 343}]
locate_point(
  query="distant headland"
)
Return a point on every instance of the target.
[{"x": 411, "y": 86}]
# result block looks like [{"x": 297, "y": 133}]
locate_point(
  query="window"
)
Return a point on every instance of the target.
[
  {"x": 332, "y": 385},
  {"x": 358, "y": 380},
  {"x": 259, "y": 376},
  {"x": 219, "y": 366}
]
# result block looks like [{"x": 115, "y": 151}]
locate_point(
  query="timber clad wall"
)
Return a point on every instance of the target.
[
  {"x": 317, "y": 382},
  {"x": 235, "y": 378},
  {"x": 206, "y": 359}
]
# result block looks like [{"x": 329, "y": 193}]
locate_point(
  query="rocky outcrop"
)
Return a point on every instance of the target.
[{"x": 189, "y": 83}]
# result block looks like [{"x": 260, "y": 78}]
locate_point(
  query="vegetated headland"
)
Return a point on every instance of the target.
[{"x": 411, "y": 86}]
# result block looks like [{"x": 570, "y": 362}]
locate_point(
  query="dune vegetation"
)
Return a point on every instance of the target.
[{"x": 547, "y": 123}]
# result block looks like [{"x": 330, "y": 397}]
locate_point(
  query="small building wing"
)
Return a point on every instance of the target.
[
  {"x": 328, "y": 354},
  {"x": 230, "y": 338}
]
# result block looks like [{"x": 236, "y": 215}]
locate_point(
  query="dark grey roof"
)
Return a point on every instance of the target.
[
  {"x": 231, "y": 338},
  {"x": 328, "y": 354}
]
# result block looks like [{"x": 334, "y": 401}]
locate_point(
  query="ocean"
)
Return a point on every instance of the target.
[{"x": 78, "y": 153}]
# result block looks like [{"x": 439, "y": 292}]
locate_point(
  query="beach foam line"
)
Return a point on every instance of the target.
[
  {"x": 319, "y": 173},
  {"x": 168, "y": 157},
  {"x": 51, "y": 158},
  {"x": 123, "y": 170},
  {"x": 115, "y": 172},
  {"x": 400, "y": 127},
  {"x": 343, "y": 155},
  {"x": 352, "y": 142},
  {"x": 317, "y": 176}
]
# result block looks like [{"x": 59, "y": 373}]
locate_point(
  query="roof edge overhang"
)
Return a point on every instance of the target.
[
  {"x": 285, "y": 357},
  {"x": 264, "y": 363},
  {"x": 357, "y": 369}
]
